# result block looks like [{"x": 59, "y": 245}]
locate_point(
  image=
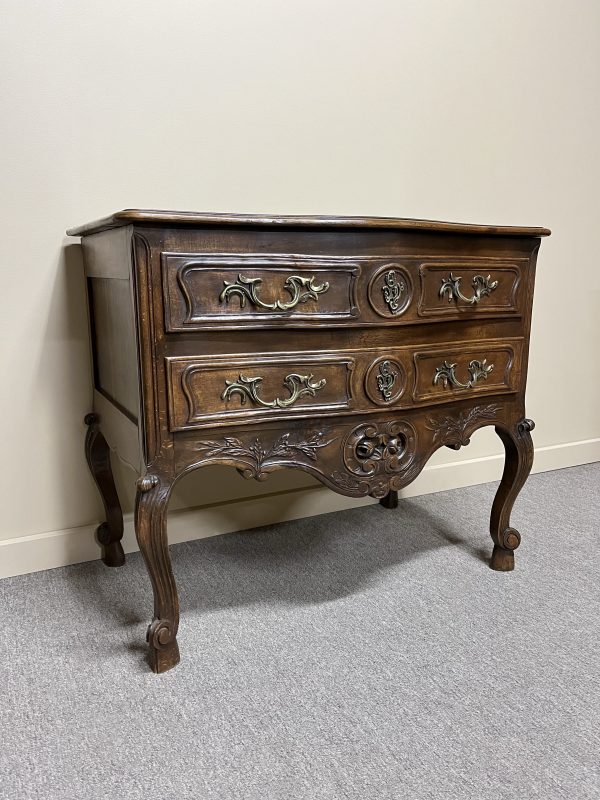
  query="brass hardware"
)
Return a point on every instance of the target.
[
  {"x": 301, "y": 289},
  {"x": 482, "y": 287},
  {"x": 478, "y": 370},
  {"x": 249, "y": 388},
  {"x": 386, "y": 380},
  {"x": 392, "y": 291}
]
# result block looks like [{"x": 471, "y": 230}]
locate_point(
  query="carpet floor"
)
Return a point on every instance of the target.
[{"x": 369, "y": 654}]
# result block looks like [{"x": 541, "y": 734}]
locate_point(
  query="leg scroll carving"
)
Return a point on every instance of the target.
[
  {"x": 518, "y": 447},
  {"x": 110, "y": 532},
  {"x": 152, "y": 498}
]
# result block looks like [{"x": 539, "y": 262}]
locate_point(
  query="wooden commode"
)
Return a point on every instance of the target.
[{"x": 349, "y": 347}]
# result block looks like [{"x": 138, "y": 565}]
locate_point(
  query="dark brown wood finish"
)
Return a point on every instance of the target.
[
  {"x": 110, "y": 532},
  {"x": 351, "y": 348}
]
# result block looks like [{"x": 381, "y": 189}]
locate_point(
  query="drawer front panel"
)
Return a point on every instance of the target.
[
  {"x": 206, "y": 390},
  {"x": 458, "y": 287},
  {"x": 447, "y": 372},
  {"x": 202, "y": 291},
  {"x": 209, "y": 390}
]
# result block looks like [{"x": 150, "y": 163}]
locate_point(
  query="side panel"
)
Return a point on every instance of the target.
[{"x": 107, "y": 258}]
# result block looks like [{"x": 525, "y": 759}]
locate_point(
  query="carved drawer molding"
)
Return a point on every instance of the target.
[
  {"x": 204, "y": 391},
  {"x": 470, "y": 286},
  {"x": 466, "y": 369},
  {"x": 205, "y": 290}
]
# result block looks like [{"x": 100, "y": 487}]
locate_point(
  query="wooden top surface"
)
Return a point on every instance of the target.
[{"x": 149, "y": 217}]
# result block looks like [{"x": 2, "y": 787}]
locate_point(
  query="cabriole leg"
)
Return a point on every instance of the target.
[
  {"x": 151, "y": 503},
  {"x": 517, "y": 466},
  {"x": 109, "y": 533}
]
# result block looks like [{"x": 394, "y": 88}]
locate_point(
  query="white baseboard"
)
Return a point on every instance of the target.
[{"x": 72, "y": 545}]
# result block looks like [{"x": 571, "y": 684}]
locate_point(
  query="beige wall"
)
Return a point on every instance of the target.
[{"x": 463, "y": 110}]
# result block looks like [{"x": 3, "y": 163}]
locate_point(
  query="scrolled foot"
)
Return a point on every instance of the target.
[
  {"x": 503, "y": 557},
  {"x": 113, "y": 554},
  {"x": 502, "y": 560},
  {"x": 390, "y": 500},
  {"x": 164, "y": 651},
  {"x": 517, "y": 466},
  {"x": 152, "y": 498}
]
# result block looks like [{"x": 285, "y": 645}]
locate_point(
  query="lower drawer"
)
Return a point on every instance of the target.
[{"x": 234, "y": 389}]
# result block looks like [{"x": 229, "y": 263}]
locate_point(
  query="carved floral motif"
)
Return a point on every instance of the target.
[
  {"x": 254, "y": 460},
  {"x": 454, "y": 429}
]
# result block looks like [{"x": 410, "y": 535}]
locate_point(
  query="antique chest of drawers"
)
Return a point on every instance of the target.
[{"x": 351, "y": 348}]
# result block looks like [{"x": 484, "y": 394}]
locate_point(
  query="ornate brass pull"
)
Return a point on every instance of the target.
[
  {"x": 386, "y": 380},
  {"x": 478, "y": 370},
  {"x": 301, "y": 289},
  {"x": 392, "y": 291},
  {"x": 249, "y": 388},
  {"x": 482, "y": 288}
]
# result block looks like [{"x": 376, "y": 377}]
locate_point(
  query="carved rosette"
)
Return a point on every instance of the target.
[{"x": 381, "y": 455}]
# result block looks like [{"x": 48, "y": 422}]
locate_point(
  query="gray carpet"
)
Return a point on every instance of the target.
[{"x": 364, "y": 654}]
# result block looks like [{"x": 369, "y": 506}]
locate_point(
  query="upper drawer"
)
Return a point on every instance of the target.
[
  {"x": 204, "y": 290},
  {"x": 257, "y": 291}
]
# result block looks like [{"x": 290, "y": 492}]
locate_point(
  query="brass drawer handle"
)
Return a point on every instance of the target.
[
  {"x": 478, "y": 370},
  {"x": 249, "y": 388},
  {"x": 301, "y": 289},
  {"x": 482, "y": 287}
]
